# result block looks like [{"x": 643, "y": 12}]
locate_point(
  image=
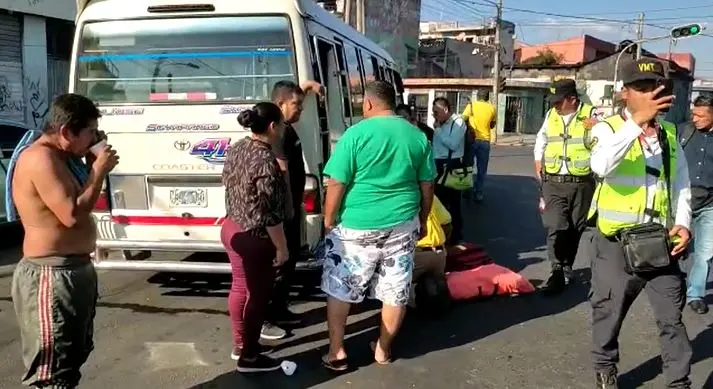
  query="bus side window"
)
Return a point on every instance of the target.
[
  {"x": 356, "y": 85},
  {"x": 398, "y": 84},
  {"x": 379, "y": 70},
  {"x": 369, "y": 69},
  {"x": 344, "y": 77}
]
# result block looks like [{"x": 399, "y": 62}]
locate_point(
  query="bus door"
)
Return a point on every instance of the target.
[{"x": 333, "y": 78}]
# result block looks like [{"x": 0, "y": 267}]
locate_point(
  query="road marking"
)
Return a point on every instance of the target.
[{"x": 173, "y": 355}]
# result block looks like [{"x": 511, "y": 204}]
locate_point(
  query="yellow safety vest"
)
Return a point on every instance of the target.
[
  {"x": 566, "y": 142},
  {"x": 620, "y": 199}
]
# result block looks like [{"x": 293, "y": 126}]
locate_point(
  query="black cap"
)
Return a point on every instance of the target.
[
  {"x": 562, "y": 89},
  {"x": 645, "y": 69}
]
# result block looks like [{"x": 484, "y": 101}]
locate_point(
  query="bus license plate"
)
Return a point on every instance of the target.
[{"x": 181, "y": 198}]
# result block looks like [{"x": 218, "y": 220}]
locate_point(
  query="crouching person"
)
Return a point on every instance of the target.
[{"x": 429, "y": 291}]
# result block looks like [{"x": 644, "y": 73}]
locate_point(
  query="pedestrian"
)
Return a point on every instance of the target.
[
  {"x": 407, "y": 113},
  {"x": 448, "y": 150},
  {"x": 54, "y": 286},
  {"x": 562, "y": 167},
  {"x": 642, "y": 215},
  {"x": 290, "y": 98},
  {"x": 253, "y": 232},
  {"x": 698, "y": 149},
  {"x": 481, "y": 117},
  {"x": 379, "y": 196}
]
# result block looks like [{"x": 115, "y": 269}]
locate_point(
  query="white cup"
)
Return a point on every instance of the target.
[
  {"x": 98, "y": 147},
  {"x": 288, "y": 367}
]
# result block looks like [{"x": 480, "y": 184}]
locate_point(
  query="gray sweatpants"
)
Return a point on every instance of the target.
[{"x": 55, "y": 302}]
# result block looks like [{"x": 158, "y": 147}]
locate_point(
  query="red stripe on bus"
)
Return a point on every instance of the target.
[{"x": 167, "y": 220}]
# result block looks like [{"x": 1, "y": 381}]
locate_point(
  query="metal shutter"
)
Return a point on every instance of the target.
[{"x": 12, "y": 106}]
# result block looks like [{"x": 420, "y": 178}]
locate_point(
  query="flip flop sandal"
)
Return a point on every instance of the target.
[
  {"x": 372, "y": 344},
  {"x": 335, "y": 365}
]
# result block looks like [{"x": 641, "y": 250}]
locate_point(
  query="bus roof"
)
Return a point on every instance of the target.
[{"x": 119, "y": 9}]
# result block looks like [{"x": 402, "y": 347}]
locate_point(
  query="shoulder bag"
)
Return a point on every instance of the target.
[{"x": 647, "y": 247}]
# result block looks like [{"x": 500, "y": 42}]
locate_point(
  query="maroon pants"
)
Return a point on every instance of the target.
[{"x": 251, "y": 260}]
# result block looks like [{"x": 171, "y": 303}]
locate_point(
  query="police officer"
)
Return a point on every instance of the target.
[
  {"x": 644, "y": 187},
  {"x": 562, "y": 165}
]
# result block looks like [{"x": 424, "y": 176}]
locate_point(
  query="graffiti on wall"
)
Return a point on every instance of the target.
[
  {"x": 394, "y": 25},
  {"x": 35, "y": 3},
  {"x": 37, "y": 101},
  {"x": 9, "y": 104}
]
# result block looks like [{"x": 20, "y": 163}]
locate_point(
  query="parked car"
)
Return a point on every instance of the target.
[{"x": 10, "y": 134}]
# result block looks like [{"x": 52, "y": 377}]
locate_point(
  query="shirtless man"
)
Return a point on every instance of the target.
[{"x": 54, "y": 287}]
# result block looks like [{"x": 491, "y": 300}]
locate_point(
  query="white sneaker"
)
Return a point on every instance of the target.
[{"x": 272, "y": 332}]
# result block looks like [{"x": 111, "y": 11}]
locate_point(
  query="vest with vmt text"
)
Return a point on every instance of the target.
[
  {"x": 567, "y": 144},
  {"x": 620, "y": 200}
]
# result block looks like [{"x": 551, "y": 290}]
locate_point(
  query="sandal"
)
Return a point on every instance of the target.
[
  {"x": 387, "y": 361},
  {"x": 336, "y": 364}
]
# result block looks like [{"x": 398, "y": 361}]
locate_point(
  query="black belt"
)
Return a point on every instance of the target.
[{"x": 562, "y": 178}]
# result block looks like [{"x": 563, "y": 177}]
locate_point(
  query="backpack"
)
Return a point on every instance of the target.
[{"x": 432, "y": 296}]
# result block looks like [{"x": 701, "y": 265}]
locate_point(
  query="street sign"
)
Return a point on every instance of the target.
[{"x": 686, "y": 31}]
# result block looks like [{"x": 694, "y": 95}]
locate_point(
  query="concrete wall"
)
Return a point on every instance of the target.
[
  {"x": 58, "y": 9},
  {"x": 31, "y": 101},
  {"x": 34, "y": 56},
  {"x": 393, "y": 24}
]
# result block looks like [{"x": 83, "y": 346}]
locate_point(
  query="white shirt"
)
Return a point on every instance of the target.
[
  {"x": 541, "y": 142},
  {"x": 449, "y": 137},
  {"x": 610, "y": 148}
]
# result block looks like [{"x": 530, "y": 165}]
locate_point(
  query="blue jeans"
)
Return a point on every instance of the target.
[
  {"x": 481, "y": 153},
  {"x": 702, "y": 253}
]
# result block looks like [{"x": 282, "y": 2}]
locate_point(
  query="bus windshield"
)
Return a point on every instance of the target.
[{"x": 236, "y": 58}]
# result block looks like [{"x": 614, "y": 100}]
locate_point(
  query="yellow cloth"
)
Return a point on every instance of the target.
[
  {"x": 479, "y": 115},
  {"x": 440, "y": 211},
  {"x": 435, "y": 236}
]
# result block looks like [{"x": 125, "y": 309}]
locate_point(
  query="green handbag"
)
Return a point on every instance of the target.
[{"x": 458, "y": 178}]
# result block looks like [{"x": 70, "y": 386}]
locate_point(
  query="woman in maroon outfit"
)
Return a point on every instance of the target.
[{"x": 253, "y": 235}]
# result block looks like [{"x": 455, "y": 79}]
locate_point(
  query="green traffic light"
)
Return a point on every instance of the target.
[{"x": 694, "y": 30}]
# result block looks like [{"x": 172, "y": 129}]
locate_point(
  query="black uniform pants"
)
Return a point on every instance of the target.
[
  {"x": 612, "y": 293},
  {"x": 451, "y": 200},
  {"x": 285, "y": 273},
  {"x": 565, "y": 217}
]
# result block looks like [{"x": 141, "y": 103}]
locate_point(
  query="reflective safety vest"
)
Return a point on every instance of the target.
[
  {"x": 566, "y": 142},
  {"x": 620, "y": 199}
]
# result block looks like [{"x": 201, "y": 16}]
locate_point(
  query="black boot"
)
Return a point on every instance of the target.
[
  {"x": 556, "y": 284},
  {"x": 607, "y": 380}
]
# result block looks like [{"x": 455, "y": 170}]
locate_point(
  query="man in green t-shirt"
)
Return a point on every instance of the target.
[{"x": 379, "y": 195}]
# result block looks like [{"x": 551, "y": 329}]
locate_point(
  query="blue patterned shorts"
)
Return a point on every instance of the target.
[{"x": 380, "y": 262}]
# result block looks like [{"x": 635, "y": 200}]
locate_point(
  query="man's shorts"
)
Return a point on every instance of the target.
[
  {"x": 55, "y": 302},
  {"x": 378, "y": 261}
]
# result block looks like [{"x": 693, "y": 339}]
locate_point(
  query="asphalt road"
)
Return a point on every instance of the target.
[{"x": 151, "y": 333}]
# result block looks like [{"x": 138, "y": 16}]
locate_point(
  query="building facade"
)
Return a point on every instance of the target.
[
  {"x": 575, "y": 50},
  {"x": 35, "y": 47},
  {"x": 393, "y": 24},
  {"x": 482, "y": 36}
]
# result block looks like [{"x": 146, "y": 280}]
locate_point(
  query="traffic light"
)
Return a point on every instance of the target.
[{"x": 686, "y": 31}]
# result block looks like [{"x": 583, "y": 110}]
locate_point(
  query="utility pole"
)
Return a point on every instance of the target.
[
  {"x": 639, "y": 35},
  {"x": 360, "y": 15},
  {"x": 348, "y": 12},
  {"x": 496, "y": 62}
]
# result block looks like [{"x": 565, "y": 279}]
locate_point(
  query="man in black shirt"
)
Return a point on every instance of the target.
[
  {"x": 289, "y": 97},
  {"x": 697, "y": 142}
]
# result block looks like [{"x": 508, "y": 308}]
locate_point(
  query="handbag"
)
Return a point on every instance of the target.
[
  {"x": 459, "y": 178},
  {"x": 647, "y": 247}
]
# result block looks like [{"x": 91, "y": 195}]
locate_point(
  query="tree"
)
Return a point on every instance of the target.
[{"x": 544, "y": 57}]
